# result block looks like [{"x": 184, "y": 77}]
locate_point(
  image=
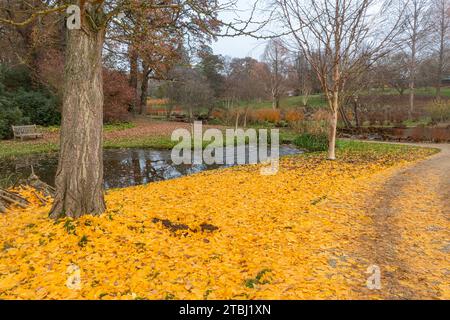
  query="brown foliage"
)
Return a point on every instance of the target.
[
  {"x": 118, "y": 96},
  {"x": 293, "y": 116},
  {"x": 269, "y": 115}
]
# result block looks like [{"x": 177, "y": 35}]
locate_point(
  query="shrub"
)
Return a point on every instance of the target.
[
  {"x": 24, "y": 102},
  {"x": 16, "y": 78},
  {"x": 321, "y": 115},
  {"x": 40, "y": 108},
  {"x": 269, "y": 115},
  {"x": 118, "y": 96},
  {"x": 293, "y": 116},
  {"x": 439, "y": 111},
  {"x": 315, "y": 124},
  {"x": 9, "y": 114},
  {"x": 312, "y": 142}
]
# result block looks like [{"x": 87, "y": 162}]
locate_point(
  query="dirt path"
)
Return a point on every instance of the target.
[{"x": 411, "y": 230}]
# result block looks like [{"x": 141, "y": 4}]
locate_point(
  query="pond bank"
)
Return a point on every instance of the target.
[{"x": 415, "y": 134}]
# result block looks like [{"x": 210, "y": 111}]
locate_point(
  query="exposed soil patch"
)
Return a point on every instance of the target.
[{"x": 176, "y": 227}]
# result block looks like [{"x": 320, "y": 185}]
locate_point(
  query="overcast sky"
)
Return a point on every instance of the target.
[
  {"x": 242, "y": 46},
  {"x": 239, "y": 47}
]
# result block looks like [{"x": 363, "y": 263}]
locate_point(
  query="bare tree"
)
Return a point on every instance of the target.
[
  {"x": 392, "y": 71},
  {"x": 441, "y": 29},
  {"x": 416, "y": 29},
  {"x": 276, "y": 56},
  {"x": 189, "y": 89},
  {"x": 303, "y": 77},
  {"x": 338, "y": 38}
]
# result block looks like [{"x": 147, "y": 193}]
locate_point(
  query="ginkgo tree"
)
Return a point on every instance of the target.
[{"x": 79, "y": 178}]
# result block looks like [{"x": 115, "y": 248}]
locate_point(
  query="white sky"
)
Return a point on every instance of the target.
[
  {"x": 244, "y": 46},
  {"x": 241, "y": 46}
]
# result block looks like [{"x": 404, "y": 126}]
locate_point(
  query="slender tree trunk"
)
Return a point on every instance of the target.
[
  {"x": 355, "y": 112},
  {"x": 79, "y": 178},
  {"x": 169, "y": 111},
  {"x": 134, "y": 76},
  {"x": 412, "y": 71},
  {"x": 440, "y": 73},
  {"x": 411, "y": 96},
  {"x": 274, "y": 100},
  {"x": 246, "y": 115},
  {"x": 344, "y": 117},
  {"x": 333, "y": 127},
  {"x": 191, "y": 114},
  {"x": 144, "y": 89},
  {"x": 442, "y": 34}
]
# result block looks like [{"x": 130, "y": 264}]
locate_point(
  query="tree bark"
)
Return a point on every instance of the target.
[
  {"x": 355, "y": 113},
  {"x": 412, "y": 71},
  {"x": 344, "y": 117},
  {"x": 79, "y": 178},
  {"x": 333, "y": 127},
  {"x": 144, "y": 88},
  {"x": 133, "y": 57},
  {"x": 443, "y": 28}
]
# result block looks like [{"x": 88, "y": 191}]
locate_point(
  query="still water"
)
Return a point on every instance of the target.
[{"x": 122, "y": 167}]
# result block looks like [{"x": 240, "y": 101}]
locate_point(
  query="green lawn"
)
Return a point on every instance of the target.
[
  {"x": 425, "y": 91},
  {"x": 15, "y": 149}
]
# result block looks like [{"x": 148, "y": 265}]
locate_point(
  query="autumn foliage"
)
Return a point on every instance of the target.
[
  {"x": 118, "y": 96},
  {"x": 268, "y": 115}
]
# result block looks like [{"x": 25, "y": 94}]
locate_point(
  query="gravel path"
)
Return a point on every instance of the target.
[{"x": 411, "y": 215}]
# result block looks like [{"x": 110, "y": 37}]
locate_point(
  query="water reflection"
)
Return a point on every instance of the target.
[{"x": 123, "y": 167}]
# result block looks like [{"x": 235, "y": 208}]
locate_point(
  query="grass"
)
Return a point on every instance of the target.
[
  {"x": 374, "y": 147},
  {"x": 6, "y": 181},
  {"x": 311, "y": 142},
  {"x": 425, "y": 91},
  {"x": 12, "y": 149},
  {"x": 118, "y": 126},
  {"x": 155, "y": 142},
  {"x": 109, "y": 127}
]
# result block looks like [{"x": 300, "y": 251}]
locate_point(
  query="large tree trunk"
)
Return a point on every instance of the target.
[{"x": 79, "y": 179}]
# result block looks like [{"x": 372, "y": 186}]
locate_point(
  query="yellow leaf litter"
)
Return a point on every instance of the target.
[{"x": 225, "y": 234}]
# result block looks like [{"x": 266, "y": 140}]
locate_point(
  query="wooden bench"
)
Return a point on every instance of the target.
[{"x": 26, "y": 132}]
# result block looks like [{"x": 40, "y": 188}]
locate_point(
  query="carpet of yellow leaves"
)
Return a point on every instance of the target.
[{"x": 289, "y": 236}]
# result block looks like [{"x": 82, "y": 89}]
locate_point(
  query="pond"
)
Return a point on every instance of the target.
[{"x": 122, "y": 167}]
